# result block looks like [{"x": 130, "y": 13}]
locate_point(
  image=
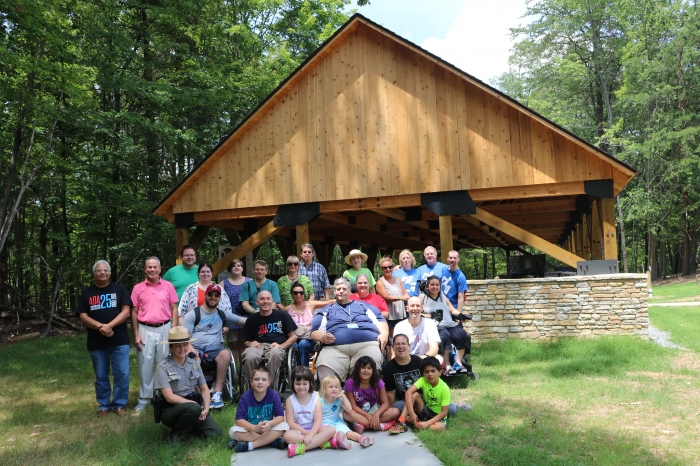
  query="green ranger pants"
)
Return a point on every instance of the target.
[{"x": 183, "y": 419}]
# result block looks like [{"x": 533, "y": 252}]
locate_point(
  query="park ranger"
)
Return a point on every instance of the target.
[{"x": 177, "y": 376}]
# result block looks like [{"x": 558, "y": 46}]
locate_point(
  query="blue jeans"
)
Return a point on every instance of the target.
[
  {"x": 305, "y": 347},
  {"x": 118, "y": 358}
]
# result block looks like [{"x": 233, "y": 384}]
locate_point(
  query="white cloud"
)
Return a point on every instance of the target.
[{"x": 478, "y": 42}]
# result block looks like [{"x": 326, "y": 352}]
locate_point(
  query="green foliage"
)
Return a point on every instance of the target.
[
  {"x": 146, "y": 91},
  {"x": 676, "y": 292}
]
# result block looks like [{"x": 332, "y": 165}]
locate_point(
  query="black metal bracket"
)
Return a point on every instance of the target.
[
  {"x": 583, "y": 204},
  {"x": 448, "y": 203},
  {"x": 600, "y": 189},
  {"x": 184, "y": 220},
  {"x": 296, "y": 214}
]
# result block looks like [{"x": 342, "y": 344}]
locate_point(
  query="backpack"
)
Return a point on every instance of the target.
[{"x": 198, "y": 317}]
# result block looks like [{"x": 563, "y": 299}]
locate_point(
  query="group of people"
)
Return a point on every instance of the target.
[{"x": 260, "y": 320}]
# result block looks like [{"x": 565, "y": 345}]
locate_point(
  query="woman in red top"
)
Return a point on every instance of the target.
[{"x": 363, "y": 294}]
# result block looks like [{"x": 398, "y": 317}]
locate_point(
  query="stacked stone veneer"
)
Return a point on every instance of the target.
[{"x": 545, "y": 308}]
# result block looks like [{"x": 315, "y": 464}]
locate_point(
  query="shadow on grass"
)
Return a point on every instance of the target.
[
  {"x": 567, "y": 357},
  {"x": 513, "y": 432}
]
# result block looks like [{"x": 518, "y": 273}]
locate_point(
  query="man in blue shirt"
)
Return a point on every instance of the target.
[
  {"x": 433, "y": 267},
  {"x": 459, "y": 282}
]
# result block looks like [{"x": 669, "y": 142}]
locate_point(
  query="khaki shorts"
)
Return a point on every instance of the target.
[
  {"x": 282, "y": 426},
  {"x": 342, "y": 358}
]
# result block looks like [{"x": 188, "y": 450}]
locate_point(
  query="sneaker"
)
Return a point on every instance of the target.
[
  {"x": 341, "y": 441},
  {"x": 140, "y": 407},
  {"x": 278, "y": 443},
  {"x": 457, "y": 367},
  {"x": 398, "y": 428},
  {"x": 355, "y": 427},
  {"x": 216, "y": 401},
  {"x": 384, "y": 426},
  {"x": 238, "y": 447},
  {"x": 331, "y": 444},
  {"x": 449, "y": 370},
  {"x": 293, "y": 450},
  {"x": 366, "y": 441},
  {"x": 463, "y": 407}
]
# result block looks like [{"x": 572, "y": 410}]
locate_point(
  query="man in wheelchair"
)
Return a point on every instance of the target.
[
  {"x": 177, "y": 376},
  {"x": 207, "y": 325},
  {"x": 267, "y": 334}
]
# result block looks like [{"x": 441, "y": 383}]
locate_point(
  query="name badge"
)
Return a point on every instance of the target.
[{"x": 352, "y": 325}]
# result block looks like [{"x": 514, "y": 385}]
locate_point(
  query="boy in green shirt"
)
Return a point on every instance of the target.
[{"x": 428, "y": 408}]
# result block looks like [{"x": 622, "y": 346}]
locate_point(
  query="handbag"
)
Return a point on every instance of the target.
[{"x": 303, "y": 332}]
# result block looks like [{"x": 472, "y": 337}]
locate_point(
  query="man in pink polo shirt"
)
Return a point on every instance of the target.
[{"x": 154, "y": 307}]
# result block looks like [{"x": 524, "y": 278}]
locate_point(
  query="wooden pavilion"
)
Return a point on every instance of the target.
[{"x": 375, "y": 142}]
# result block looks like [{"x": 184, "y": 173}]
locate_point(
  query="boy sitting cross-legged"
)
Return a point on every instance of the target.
[
  {"x": 259, "y": 417},
  {"x": 428, "y": 409}
]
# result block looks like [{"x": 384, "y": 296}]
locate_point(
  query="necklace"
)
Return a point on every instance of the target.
[{"x": 293, "y": 278}]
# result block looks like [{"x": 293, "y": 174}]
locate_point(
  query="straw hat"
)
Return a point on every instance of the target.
[
  {"x": 178, "y": 334},
  {"x": 355, "y": 252}
]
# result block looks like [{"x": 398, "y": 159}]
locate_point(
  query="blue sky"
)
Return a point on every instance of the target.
[{"x": 473, "y": 35}]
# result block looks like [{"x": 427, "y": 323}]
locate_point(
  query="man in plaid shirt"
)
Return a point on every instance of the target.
[{"x": 316, "y": 273}]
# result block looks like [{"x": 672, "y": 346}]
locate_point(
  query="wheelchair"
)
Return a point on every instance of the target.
[
  {"x": 229, "y": 392},
  {"x": 282, "y": 378},
  {"x": 473, "y": 376}
]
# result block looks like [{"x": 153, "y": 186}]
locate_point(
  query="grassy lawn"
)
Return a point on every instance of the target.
[
  {"x": 603, "y": 401},
  {"x": 676, "y": 292}
]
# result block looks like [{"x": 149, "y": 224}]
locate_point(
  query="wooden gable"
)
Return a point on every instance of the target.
[{"x": 372, "y": 115}]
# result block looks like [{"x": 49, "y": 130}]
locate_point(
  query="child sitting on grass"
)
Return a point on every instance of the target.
[
  {"x": 304, "y": 416},
  {"x": 367, "y": 395},
  {"x": 428, "y": 409},
  {"x": 333, "y": 402},
  {"x": 259, "y": 417}
]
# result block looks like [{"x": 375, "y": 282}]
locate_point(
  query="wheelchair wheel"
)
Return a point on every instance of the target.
[
  {"x": 244, "y": 383},
  {"x": 230, "y": 382}
]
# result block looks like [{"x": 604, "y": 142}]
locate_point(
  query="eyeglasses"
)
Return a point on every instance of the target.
[
  {"x": 297, "y": 292},
  {"x": 101, "y": 270},
  {"x": 292, "y": 264},
  {"x": 387, "y": 267},
  {"x": 214, "y": 295}
]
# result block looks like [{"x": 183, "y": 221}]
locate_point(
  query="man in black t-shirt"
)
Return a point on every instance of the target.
[
  {"x": 267, "y": 332},
  {"x": 401, "y": 372},
  {"x": 104, "y": 308}
]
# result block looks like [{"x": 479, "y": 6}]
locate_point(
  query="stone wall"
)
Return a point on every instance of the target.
[{"x": 545, "y": 308}]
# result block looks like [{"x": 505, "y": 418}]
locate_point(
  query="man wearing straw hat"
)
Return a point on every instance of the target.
[{"x": 176, "y": 377}]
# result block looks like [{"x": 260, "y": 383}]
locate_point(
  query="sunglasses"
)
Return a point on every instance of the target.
[
  {"x": 387, "y": 267},
  {"x": 292, "y": 264},
  {"x": 215, "y": 295},
  {"x": 297, "y": 292}
]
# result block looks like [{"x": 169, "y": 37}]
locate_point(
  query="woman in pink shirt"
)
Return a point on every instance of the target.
[{"x": 302, "y": 313}]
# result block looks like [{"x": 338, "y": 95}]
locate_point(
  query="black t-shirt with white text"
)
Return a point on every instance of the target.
[{"x": 103, "y": 305}]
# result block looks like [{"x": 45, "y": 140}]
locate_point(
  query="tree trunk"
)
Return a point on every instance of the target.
[{"x": 623, "y": 242}]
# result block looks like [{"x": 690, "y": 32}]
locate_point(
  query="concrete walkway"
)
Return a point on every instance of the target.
[
  {"x": 404, "y": 449},
  {"x": 685, "y": 303}
]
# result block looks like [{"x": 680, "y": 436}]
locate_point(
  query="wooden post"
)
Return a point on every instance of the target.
[
  {"x": 596, "y": 245},
  {"x": 606, "y": 211},
  {"x": 182, "y": 236},
  {"x": 302, "y": 236},
  {"x": 445, "y": 236},
  {"x": 586, "y": 237},
  {"x": 578, "y": 236}
]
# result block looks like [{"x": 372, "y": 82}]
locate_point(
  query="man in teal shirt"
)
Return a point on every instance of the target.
[{"x": 185, "y": 274}]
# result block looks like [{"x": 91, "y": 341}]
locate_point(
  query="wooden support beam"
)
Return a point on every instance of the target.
[
  {"x": 445, "y": 236},
  {"x": 198, "y": 236},
  {"x": 182, "y": 236},
  {"x": 526, "y": 237},
  {"x": 255, "y": 240},
  {"x": 596, "y": 234},
  {"x": 606, "y": 211},
  {"x": 486, "y": 230},
  {"x": 566, "y": 188},
  {"x": 531, "y": 207},
  {"x": 396, "y": 214},
  {"x": 302, "y": 235}
]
